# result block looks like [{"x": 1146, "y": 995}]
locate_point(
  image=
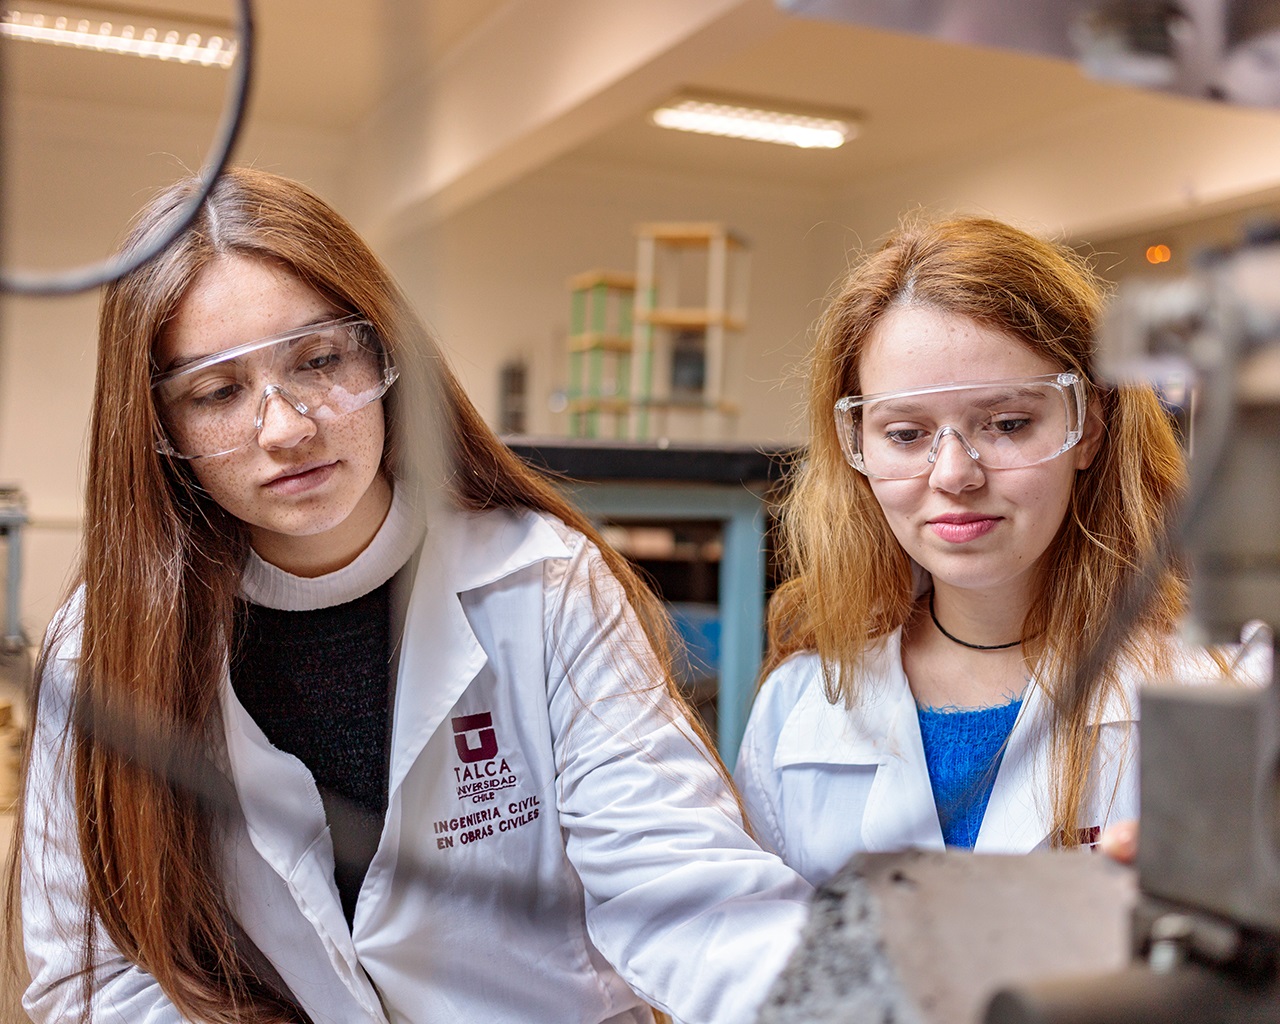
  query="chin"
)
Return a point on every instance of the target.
[
  {"x": 965, "y": 570},
  {"x": 306, "y": 526}
]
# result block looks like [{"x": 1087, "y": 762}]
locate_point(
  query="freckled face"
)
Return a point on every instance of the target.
[
  {"x": 968, "y": 526},
  {"x": 303, "y": 485}
]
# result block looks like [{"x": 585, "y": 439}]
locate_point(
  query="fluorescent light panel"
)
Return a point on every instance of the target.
[
  {"x": 133, "y": 33},
  {"x": 738, "y": 120}
]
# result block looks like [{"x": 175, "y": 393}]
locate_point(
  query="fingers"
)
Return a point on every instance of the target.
[{"x": 1120, "y": 841}]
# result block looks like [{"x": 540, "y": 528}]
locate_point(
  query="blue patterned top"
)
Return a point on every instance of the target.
[{"x": 963, "y": 748}]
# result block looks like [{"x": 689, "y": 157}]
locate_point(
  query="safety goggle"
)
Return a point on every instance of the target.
[
  {"x": 1000, "y": 424},
  {"x": 216, "y": 404}
]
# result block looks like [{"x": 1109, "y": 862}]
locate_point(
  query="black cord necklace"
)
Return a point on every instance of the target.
[{"x": 964, "y": 643}]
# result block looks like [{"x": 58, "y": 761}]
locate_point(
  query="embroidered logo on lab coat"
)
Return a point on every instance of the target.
[
  {"x": 474, "y": 737},
  {"x": 481, "y": 776},
  {"x": 483, "y": 772}
]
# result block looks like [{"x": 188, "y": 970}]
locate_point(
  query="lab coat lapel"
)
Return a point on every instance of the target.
[
  {"x": 441, "y": 655},
  {"x": 1018, "y": 816},
  {"x": 819, "y": 732},
  {"x": 900, "y": 811},
  {"x": 278, "y": 796},
  {"x": 287, "y": 827}
]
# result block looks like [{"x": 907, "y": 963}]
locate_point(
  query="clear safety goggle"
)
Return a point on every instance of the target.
[
  {"x": 1000, "y": 424},
  {"x": 217, "y": 404}
]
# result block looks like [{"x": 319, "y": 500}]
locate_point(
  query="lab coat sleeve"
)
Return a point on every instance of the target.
[
  {"x": 678, "y": 898},
  {"x": 53, "y": 891}
]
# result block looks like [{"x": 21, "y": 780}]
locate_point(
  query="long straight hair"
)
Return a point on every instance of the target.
[
  {"x": 850, "y": 583},
  {"x": 161, "y": 566}
]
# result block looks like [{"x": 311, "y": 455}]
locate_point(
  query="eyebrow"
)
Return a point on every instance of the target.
[
  {"x": 913, "y": 403},
  {"x": 177, "y": 364}
]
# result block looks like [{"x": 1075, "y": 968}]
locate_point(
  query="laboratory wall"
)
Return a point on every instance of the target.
[{"x": 492, "y": 280}]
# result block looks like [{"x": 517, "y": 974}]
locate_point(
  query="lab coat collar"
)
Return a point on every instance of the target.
[
  {"x": 1018, "y": 816},
  {"x": 884, "y": 730},
  {"x": 440, "y": 654},
  {"x": 819, "y": 732},
  {"x": 278, "y": 796},
  {"x": 474, "y": 549}
]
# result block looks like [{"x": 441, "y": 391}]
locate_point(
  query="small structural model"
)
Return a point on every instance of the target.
[
  {"x": 647, "y": 353},
  {"x": 600, "y": 344}
]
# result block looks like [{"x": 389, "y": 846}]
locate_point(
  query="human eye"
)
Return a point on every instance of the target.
[
  {"x": 211, "y": 393},
  {"x": 904, "y": 437},
  {"x": 322, "y": 360},
  {"x": 1007, "y": 425},
  {"x": 893, "y": 426},
  {"x": 318, "y": 354}
]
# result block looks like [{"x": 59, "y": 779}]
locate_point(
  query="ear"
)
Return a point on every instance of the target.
[{"x": 1086, "y": 450}]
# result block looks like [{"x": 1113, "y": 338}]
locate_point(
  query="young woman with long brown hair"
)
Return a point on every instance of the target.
[
  {"x": 972, "y": 502},
  {"x": 350, "y": 716}
]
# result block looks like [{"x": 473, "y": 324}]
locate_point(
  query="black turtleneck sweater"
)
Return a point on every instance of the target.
[{"x": 318, "y": 684}]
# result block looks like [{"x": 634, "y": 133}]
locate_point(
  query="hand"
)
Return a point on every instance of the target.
[{"x": 1120, "y": 841}]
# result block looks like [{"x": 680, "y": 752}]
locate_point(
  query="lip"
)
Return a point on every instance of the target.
[
  {"x": 962, "y": 527},
  {"x": 297, "y": 479}
]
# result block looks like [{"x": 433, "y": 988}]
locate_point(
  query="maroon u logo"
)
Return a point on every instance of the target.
[{"x": 486, "y": 745}]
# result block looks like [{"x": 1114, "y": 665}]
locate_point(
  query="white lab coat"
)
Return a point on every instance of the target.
[
  {"x": 822, "y": 783},
  {"x": 545, "y": 864}
]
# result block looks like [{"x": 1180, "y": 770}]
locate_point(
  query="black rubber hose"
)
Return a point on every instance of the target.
[{"x": 82, "y": 279}]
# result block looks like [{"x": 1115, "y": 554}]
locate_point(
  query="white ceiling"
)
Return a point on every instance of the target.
[
  {"x": 321, "y": 67},
  {"x": 317, "y": 64},
  {"x": 917, "y": 98}
]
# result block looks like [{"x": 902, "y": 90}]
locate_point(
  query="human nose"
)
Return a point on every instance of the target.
[
  {"x": 955, "y": 466},
  {"x": 282, "y": 423}
]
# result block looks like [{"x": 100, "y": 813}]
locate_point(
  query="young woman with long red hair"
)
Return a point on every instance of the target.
[
  {"x": 350, "y": 716},
  {"x": 972, "y": 503}
]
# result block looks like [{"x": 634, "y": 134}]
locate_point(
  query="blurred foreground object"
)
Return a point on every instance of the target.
[
  {"x": 1206, "y": 927},
  {"x": 1210, "y": 49},
  {"x": 926, "y": 937},
  {"x": 1210, "y": 344},
  {"x": 111, "y": 268}
]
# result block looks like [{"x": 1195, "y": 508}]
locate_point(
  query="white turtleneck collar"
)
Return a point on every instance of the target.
[{"x": 391, "y": 548}]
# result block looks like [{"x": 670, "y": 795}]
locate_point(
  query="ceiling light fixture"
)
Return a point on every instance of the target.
[
  {"x": 736, "y": 118},
  {"x": 159, "y": 36}
]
